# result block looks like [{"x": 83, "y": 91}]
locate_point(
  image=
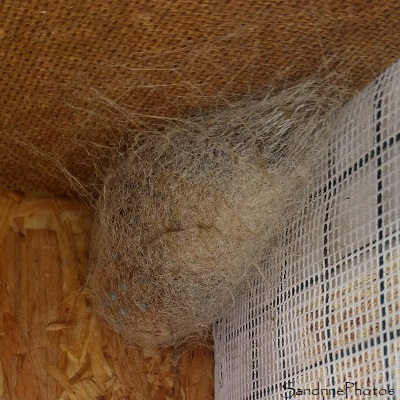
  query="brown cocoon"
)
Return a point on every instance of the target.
[{"x": 185, "y": 220}]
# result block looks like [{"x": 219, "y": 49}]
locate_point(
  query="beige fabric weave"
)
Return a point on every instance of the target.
[{"x": 163, "y": 58}]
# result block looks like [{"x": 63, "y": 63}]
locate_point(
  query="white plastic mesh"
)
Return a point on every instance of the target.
[{"x": 327, "y": 310}]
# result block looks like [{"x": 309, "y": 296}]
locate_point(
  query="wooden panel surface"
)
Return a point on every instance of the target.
[{"x": 52, "y": 346}]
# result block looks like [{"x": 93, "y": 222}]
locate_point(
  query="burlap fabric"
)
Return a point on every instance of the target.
[{"x": 66, "y": 67}]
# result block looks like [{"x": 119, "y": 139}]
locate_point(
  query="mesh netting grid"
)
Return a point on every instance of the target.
[{"x": 327, "y": 310}]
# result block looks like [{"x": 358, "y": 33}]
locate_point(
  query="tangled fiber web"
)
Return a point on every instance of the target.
[{"x": 185, "y": 221}]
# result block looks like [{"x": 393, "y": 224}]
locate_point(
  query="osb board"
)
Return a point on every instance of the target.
[
  {"x": 51, "y": 344},
  {"x": 67, "y": 67}
]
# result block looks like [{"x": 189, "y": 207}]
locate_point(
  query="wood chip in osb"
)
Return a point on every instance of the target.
[
  {"x": 51, "y": 344},
  {"x": 9, "y": 203}
]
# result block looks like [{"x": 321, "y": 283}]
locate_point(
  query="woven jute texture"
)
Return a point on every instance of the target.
[{"x": 67, "y": 66}]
